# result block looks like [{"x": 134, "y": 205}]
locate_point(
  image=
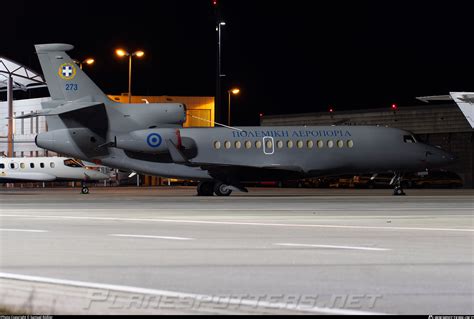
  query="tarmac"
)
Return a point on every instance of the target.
[{"x": 271, "y": 251}]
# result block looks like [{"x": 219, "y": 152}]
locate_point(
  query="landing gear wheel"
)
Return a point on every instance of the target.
[
  {"x": 85, "y": 190},
  {"x": 398, "y": 191},
  {"x": 397, "y": 181},
  {"x": 205, "y": 189},
  {"x": 222, "y": 189}
]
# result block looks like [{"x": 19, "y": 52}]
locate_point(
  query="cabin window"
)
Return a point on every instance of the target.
[
  {"x": 22, "y": 165},
  {"x": 269, "y": 144},
  {"x": 227, "y": 144},
  {"x": 13, "y": 165},
  {"x": 409, "y": 139},
  {"x": 330, "y": 144},
  {"x": 32, "y": 165},
  {"x": 217, "y": 145},
  {"x": 42, "y": 165},
  {"x": 51, "y": 164},
  {"x": 320, "y": 144},
  {"x": 309, "y": 144},
  {"x": 350, "y": 143},
  {"x": 299, "y": 144},
  {"x": 238, "y": 145},
  {"x": 258, "y": 144},
  {"x": 248, "y": 144},
  {"x": 2, "y": 165},
  {"x": 289, "y": 144},
  {"x": 279, "y": 144},
  {"x": 340, "y": 144}
]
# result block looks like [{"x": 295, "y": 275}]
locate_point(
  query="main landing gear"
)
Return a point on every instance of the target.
[
  {"x": 397, "y": 181},
  {"x": 209, "y": 188},
  {"x": 84, "y": 188}
]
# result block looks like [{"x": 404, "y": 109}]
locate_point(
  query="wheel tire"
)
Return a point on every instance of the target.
[
  {"x": 85, "y": 190},
  {"x": 398, "y": 191},
  {"x": 221, "y": 189},
  {"x": 205, "y": 189}
]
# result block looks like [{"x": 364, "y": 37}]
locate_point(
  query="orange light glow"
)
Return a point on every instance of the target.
[
  {"x": 90, "y": 61},
  {"x": 139, "y": 54},
  {"x": 235, "y": 91},
  {"x": 121, "y": 52}
]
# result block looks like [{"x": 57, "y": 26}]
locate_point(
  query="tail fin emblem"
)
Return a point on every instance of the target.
[{"x": 67, "y": 71}]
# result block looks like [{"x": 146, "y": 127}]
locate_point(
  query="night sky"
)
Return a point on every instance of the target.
[{"x": 286, "y": 56}]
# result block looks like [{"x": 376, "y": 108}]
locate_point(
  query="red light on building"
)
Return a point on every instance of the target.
[
  {"x": 214, "y": 3},
  {"x": 260, "y": 114},
  {"x": 394, "y": 107},
  {"x": 331, "y": 110}
]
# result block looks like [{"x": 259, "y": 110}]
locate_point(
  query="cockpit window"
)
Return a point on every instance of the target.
[
  {"x": 409, "y": 139},
  {"x": 72, "y": 163}
]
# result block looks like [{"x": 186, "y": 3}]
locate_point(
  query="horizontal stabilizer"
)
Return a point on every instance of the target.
[
  {"x": 61, "y": 109},
  {"x": 72, "y": 107},
  {"x": 33, "y": 114}
]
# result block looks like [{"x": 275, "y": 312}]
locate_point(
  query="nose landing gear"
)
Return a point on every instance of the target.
[
  {"x": 397, "y": 181},
  {"x": 84, "y": 188}
]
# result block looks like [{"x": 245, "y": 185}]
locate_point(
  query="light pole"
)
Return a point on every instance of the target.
[
  {"x": 235, "y": 92},
  {"x": 86, "y": 61},
  {"x": 138, "y": 54},
  {"x": 217, "y": 108}
]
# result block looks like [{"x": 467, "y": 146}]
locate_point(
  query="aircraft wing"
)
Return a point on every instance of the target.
[
  {"x": 250, "y": 173},
  {"x": 10, "y": 177},
  {"x": 464, "y": 100},
  {"x": 427, "y": 99}
]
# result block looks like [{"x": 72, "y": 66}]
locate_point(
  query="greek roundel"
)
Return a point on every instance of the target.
[{"x": 67, "y": 71}]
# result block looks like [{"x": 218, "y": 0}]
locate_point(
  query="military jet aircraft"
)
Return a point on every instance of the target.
[
  {"x": 47, "y": 169},
  {"x": 150, "y": 139}
]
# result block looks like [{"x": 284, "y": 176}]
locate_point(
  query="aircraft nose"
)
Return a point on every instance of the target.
[
  {"x": 440, "y": 157},
  {"x": 102, "y": 176},
  {"x": 96, "y": 175}
]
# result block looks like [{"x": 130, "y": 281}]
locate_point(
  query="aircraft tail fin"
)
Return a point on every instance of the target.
[{"x": 66, "y": 81}]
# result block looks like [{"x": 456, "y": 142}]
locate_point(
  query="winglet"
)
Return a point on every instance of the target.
[{"x": 176, "y": 155}]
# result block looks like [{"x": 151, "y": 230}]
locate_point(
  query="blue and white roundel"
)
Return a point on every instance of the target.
[{"x": 154, "y": 140}]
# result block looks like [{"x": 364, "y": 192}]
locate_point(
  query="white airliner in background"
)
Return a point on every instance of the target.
[{"x": 48, "y": 169}]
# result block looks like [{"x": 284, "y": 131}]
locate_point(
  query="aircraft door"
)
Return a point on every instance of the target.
[{"x": 268, "y": 145}]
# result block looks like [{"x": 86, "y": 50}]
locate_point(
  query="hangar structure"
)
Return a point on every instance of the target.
[
  {"x": 442, "y": 125},
  {"x": 14, "y": 76}
]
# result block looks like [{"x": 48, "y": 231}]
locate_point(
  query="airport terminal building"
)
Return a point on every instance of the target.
[{"x": 442, "y": 125}]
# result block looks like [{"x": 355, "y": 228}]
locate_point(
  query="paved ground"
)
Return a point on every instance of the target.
[{"x": 309, "y": 250}]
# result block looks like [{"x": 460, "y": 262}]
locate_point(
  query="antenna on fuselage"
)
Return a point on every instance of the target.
[{"x": 215, "y": 123}]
